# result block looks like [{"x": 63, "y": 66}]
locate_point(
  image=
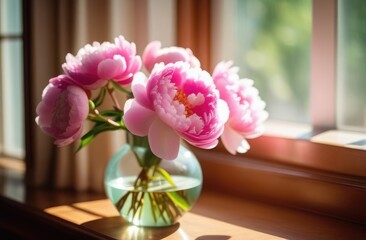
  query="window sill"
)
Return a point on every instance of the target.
[
  {"x": 331, "y": 151},
  {"x": 215, "y": 216},
  {"x": 302, "y": 172},
  {"x": 341, "y": 138}
]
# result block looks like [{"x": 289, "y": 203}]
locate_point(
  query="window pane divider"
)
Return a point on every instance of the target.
[{"x": 323, "y": 65}]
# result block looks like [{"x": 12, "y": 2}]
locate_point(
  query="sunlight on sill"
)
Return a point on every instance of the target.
[
  {"x": 342, "y": 138},
  {"x": 101, "y": 216},
  {"x": 83, "y": 212},
  {"x": 285, "y": 129},
  {"x": 349, "y": 139},
  {"x": 72, "y": 214},
  {"x": 12, "y": 164}
]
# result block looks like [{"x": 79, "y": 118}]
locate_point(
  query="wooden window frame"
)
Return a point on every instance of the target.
[{"x": 28, "y": 89}]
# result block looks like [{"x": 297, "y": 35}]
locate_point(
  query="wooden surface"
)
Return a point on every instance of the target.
[
  {"x": 220, "y": 217},
  {"x": 44, "y": 214},
  {"x": 328, "y": 193}
]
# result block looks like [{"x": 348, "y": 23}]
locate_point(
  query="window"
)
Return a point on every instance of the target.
[
  {"x": 350, "y": 66},
  {"x": 288, "y": 165},
  {"x": 270, "y": 41},
  {"x": 305, "y": 58},
  {"x": 273, "y": 43},
  {"x": 11, "y": 84}
]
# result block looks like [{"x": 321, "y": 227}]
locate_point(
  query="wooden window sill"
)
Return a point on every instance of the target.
[
  {"x": 326, "y": 179},
  {"x": 30, "y": 213}
]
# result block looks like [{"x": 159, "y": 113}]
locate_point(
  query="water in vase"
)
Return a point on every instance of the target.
[{"x": 154, "y": 206}]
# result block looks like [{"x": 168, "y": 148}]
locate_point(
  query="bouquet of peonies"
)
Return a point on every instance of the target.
[{"x": 171, "y": 99}]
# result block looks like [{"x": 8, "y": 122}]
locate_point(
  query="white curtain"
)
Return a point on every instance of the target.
[{"x": 62, "y": 26}]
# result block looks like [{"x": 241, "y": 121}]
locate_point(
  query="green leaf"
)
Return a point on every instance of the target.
[
  {"x": 98, "y": 128},
  {"x": 118, "y": 87},
  {"x": 139, "y": 153},
  {"x": 100, "y": 98},
  {"x": 150, "y": 159},
  {"x": 142, "y": 151},
  {"x": 85, "y": 141},
  {"x": 111, "y": 113},
  {"x": 166, "y": 175},
  {"x": 174, "y": 196},
  {"x": 179, "y": 201}
]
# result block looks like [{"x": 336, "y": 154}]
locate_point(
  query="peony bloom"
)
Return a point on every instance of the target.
[
  {"x": 62, "y": 110},
  {"x": 95, "y": 64},
  {"x": 175, "y": 102},
  {"x": 247, "y": 113},
  {"x": 153, "y": 54}
]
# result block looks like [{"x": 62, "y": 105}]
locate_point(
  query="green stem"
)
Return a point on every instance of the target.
[
  {"x": 110, "y": 89},
  {"x": 166, "y": 206},
  {"x": 96, "y": 116}
]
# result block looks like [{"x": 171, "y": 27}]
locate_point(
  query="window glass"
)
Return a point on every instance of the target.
[
  {"x": 351, "y": 64},
  {"x": 11, "y": 79},
  {"x": 12, "y": 96},
  {"x": 270, "y": 41},
  {"x": 10, "y": 17}
]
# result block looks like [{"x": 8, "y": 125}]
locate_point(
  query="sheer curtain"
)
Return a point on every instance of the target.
[{"x": 62, "y": 26}]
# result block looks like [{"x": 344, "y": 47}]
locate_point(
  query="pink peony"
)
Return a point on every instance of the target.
[
  {"x": 175, "y": 102},
  {"x": 153, "y": 54},
  {"x": 62, "y": 110},
  {"x": 247, "y": 113},
  {"x": 95, "y": 64}
]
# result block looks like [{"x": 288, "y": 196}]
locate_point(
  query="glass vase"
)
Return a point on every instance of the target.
[{"x": 149, "y": 191}]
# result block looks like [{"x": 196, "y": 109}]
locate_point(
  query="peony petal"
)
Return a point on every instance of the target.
[
  {"x": 79, "y": 109},
  {"x": 67, "y": 141},
  {"x": 110, "y": 68},
  {"x": 149, "y": 54},
  {"x": 223, "y": 111},
  {"x": 244, "y": 146},
  {"x": 209, "y": 144},
  {"x": 95, "y": 64},
  {"x": 154, "y": 54},
  {"x": 86, "y": 81},
  {"x": 172, "y": 55},
  {"x": 233, "y": 141},
  {"x": 62, "y": 111},
  {"x": 138, "y": 87},
  {"x": 164, "y": 141},
  {"x": 247, "y": 112},
  {"x": 137, "y": 118}
]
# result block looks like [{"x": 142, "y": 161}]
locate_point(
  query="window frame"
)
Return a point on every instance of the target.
[
  {"x": 323, "y": 65},
  {"x": 28, "y": 89}
]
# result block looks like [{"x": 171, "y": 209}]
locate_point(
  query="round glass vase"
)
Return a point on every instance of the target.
[{"x": 152, "y": 192}]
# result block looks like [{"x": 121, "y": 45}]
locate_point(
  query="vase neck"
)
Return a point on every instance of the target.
[
  {"x": 137, "y": 141},
  {"x": 141, "y": 148}
]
